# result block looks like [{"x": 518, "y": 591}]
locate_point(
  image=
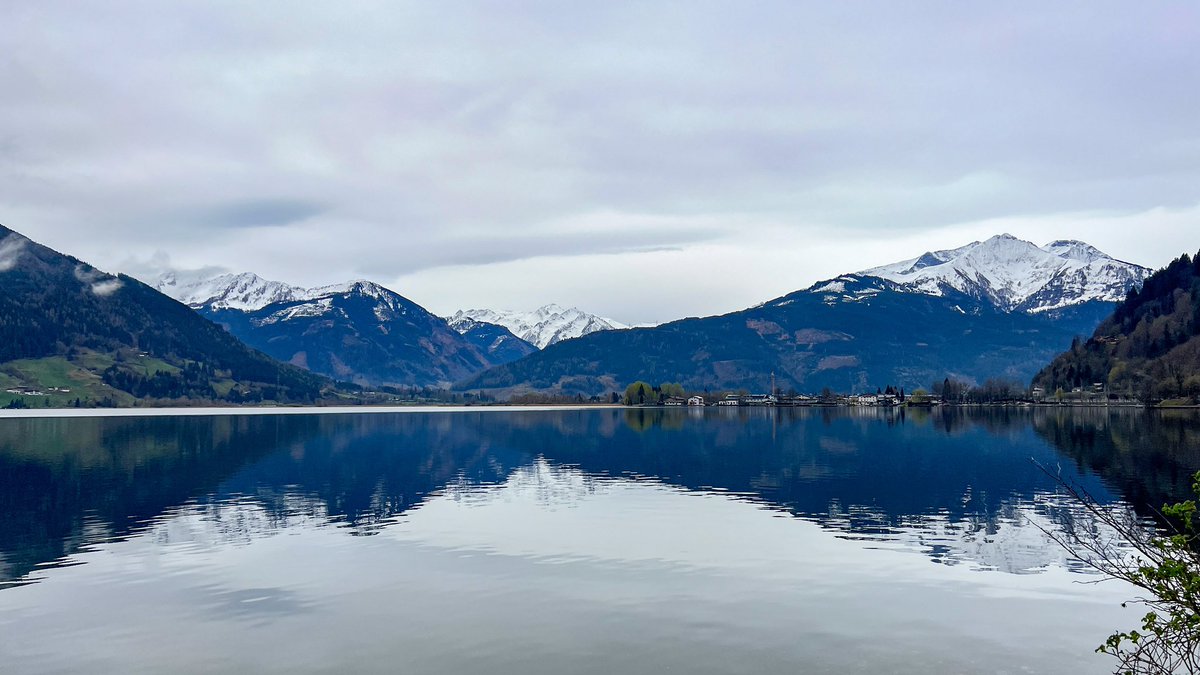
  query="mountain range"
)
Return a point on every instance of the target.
[
  {"x": 364, "y": 333},
  {"x": 997, "y": 308},
  {"x": 1002, "y": 307},
  {"x": 357, "y": 331}
]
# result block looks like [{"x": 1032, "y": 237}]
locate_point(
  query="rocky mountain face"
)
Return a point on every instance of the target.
[
  {"x": 69, "y": 331},
  {"x": 998, "y": 308},
  {"x": 544, "y": 326}
]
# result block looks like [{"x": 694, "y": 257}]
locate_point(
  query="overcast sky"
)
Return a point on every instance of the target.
[{"x": 644, "y": 161}]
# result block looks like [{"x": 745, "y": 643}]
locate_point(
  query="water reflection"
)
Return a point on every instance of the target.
[{"x": 956, "y": 485}]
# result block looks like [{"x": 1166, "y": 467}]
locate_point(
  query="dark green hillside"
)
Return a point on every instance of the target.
[
  {"x": 1148, "y": 348},
  {"x": 866, "y": 335},
  {"x": 69, "y": 331}
]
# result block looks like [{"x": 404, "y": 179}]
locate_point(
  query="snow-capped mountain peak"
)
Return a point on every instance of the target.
[
  {"x": 465, "y": 324},
  {"x": 245, "y": 291},
  {"x": 1017, "y": 275},
  {"x": 543, "y": 326},
  {"x": 1075, "y": 250},
  {"x": 357, "y": 286},
  {"x": 249, "y": 292}
]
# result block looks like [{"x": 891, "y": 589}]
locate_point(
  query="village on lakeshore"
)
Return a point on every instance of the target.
[{"x": 949, "y": 392}]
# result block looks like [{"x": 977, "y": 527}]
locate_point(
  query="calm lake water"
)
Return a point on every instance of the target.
[{"x": 580, "y": 541}]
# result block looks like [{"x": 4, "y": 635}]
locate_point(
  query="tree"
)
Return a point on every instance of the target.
[
  {"x": 672, "y": 389},
  {"x": 1166, "y": 566},
  {"x": 1191, "y": 386},
  {"x": 951, "y": 389},
  {"x": 637, "y": 393}
]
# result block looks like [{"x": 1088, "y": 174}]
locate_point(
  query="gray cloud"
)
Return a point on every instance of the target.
[
  {"x": 306, "y": 140},
  {"x": 251, "y": 213}
]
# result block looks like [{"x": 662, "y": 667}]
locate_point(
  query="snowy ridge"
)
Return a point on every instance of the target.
[
  {"x": 465, "y": 324},
  {"x": 359, "y": 286},
  {"x": 543, "y": 326},
  {"x": 249, "y": 292},
  {"x": 245, "y": 291},
  {"x": 1017, "y": 275}
]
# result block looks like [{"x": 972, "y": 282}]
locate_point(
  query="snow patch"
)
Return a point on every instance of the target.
[
  {"x": 831, "y": 287},
  {"x": 314, "y": 308}
]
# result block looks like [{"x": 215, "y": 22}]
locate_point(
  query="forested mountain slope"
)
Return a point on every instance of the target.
[
  {"x": 852, "y": 334},
  {"x": 69, "y": 331},
  {"x": 1148, "y": 348},
  {"x": 359, "y": 332}
]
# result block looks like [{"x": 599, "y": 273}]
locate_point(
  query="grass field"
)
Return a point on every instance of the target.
[{"x": 57, "y": 381}]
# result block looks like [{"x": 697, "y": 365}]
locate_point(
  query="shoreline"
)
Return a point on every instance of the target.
[{"x": 232, "y": 411}]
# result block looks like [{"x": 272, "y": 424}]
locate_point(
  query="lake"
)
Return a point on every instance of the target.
[{"x": 569, "y": 540}]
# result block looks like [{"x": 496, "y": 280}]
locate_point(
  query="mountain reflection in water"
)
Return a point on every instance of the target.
[{"x": 955, "y": 484}]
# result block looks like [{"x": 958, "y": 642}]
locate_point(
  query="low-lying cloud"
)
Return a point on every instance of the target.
[
  {"x": 98, "y": 282},
  {"x": 11, "y": 247},
  {"x": 107, "y": 287}
]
